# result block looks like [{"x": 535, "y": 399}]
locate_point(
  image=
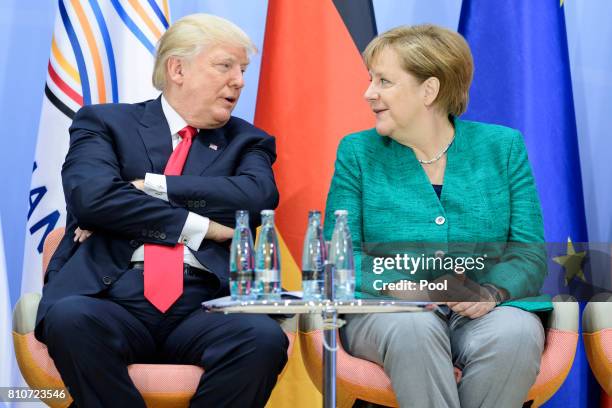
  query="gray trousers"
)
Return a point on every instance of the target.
[{"x": 499, "y": 354}]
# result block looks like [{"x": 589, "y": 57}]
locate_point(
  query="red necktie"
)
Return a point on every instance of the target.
[{"x": 163, "y": 265}]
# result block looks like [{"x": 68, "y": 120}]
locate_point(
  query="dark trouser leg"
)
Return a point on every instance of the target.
[
  {"x": 92, "y": 341},
  {"x": 242, "y": 356}
]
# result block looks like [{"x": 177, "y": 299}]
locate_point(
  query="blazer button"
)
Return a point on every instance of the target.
[
  {"x": 107, "y": 280},
  {"x": 162, "y": 236},
  {"x": 202, "y": 203},
  {"x": 156, "y": 234},
  {"x": 134, "y": 243},
  {"x": 440, "y": 220}
]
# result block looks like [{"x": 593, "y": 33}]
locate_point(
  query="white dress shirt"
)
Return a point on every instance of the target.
[{"x": 196, "y": 226}]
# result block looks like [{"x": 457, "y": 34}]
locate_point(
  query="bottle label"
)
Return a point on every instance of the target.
[
  {"x": 312, "y": 275},
  {"x": 242, "y": 275},
  {"x": 267, "y": 275}
]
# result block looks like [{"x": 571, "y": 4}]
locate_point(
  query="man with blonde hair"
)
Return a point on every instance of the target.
[{"x": 151, "y": 191}]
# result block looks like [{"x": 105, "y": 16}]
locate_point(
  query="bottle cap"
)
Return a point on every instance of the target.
[
  {"x": 340, "y": 212},
  {"x": 267, "y": 212}
]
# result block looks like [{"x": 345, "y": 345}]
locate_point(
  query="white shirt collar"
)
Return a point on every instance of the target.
[{"x": 175, "y": 121}]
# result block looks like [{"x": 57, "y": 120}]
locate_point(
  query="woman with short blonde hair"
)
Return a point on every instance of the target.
[{"x": 425, "y": 176}]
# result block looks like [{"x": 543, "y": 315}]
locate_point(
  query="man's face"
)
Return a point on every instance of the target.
[{"x": 212, "y": 82}]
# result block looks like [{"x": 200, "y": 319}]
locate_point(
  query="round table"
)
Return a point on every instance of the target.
[{"x": 329, "y": 311}]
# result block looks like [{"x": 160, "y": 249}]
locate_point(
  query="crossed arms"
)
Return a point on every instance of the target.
[{"x": 101, "y": 199}]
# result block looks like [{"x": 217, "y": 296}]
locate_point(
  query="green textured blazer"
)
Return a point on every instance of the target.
[{"x": 488, "y": 196}]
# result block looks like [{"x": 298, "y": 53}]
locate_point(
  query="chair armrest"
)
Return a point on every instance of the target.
[
  {"x": 24, "y": 314},
  {"x": 288, "y": 324},
  {"x": 565, "y": 315},
  {"x": 310, "y": 322},
  {"x": 597, "y": 314}
]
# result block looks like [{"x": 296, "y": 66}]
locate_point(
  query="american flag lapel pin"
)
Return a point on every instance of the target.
[{"x": 213, "y": 146}]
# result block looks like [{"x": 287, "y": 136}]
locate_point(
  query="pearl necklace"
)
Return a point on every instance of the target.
[{"x": 439, "y": 155}]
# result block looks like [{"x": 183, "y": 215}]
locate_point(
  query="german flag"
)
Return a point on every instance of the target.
[{"x": 310, "y": 95}]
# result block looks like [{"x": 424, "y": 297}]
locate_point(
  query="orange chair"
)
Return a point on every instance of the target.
[
  {"x": 597, "y": 336},
  {"x": 367, "y": 381},
  {"x": 161, "y": 385}
]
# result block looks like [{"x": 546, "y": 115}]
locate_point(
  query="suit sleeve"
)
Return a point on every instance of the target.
[
  {"x": 522, "y": 267},
  {"x": 251, "y": 187},
  {"x": 64, "y": 250},
  {"x": 100, "y": 199}
]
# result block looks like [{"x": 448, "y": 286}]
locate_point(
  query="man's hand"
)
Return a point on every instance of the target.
[
  {"x": 81, "y": 234},
  {"x": 139, "y": 184},
  {"x": 219, "y": 233}
]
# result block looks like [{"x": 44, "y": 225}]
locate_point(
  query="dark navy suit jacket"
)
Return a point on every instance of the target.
[{"x": 113, "y": 144}]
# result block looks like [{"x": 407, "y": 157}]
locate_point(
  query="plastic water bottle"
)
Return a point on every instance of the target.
[
  {"x": 313, "y": 258},
  {"x": 242, "y": 262},
  {"x": 341, "y": 258},
  {"x": 267, "y": 259}
]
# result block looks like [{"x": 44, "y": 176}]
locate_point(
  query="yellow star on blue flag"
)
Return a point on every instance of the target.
[{"x": 572, "y": 262}]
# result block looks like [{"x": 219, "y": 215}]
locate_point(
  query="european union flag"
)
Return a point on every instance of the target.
[{"x": 522, "y": 80}]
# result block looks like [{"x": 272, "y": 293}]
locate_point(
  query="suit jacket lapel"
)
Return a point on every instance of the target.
[
  {"x": 155, "y": 135},
  {"x": 205, "y": 149}
]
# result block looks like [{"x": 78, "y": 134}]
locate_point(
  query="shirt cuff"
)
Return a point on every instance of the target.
[
  {"x": 155, "y": 186},
  {"x": 194, "y": 231}
]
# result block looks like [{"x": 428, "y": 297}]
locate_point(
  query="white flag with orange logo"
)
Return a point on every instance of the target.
[{"x": 102, "y": 52}]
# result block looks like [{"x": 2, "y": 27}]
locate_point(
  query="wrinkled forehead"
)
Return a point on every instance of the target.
[{"x": 226, "y": 51}]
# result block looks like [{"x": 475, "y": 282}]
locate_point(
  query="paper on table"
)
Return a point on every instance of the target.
[{"x": 227, "y": 300}]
